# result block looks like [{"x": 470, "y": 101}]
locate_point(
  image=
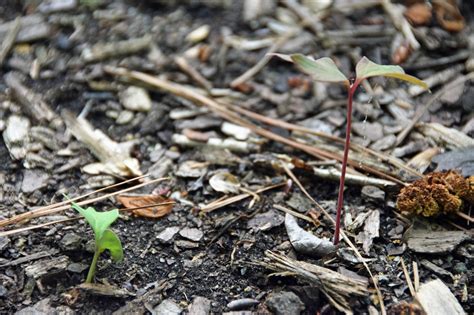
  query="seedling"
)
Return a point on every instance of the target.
[
  {"x": 324, "y": 69},
  {"x": 104, "y": 237}
]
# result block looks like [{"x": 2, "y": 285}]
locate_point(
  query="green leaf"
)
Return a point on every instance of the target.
[
  {"x": 366, "y": 69},
  {"x": 322, "y": 69},
  {"x": 111, "y": 242},
  {"x": 99, "y": 221}
]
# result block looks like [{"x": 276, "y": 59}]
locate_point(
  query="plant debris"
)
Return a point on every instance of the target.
[{"x": 437, "y": 193}]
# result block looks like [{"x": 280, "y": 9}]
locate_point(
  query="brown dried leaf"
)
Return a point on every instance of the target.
[
  {"x": 154, "y": 212},
  {"x": 448, "y": 15},
  {"x": 419, "y": 14}
]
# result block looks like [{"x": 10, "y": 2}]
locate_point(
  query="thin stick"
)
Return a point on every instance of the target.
[
  {"x": 25, "y": 216},
  {"x": 193, "y": 73},
  {"x": 465, "y": 216},
  {"x": 50, "y": 209},
  {"x": 262, "y": 62},
  {"x": 293, "y": 213},
  {"x": 408, "y": 279},
  {"x": 222, "y": 202},
  {"x": 38, "y": 226},
  {"x": 401, "y": 23},
  {"x": 306, "y": 17},
  {"x": 9, "y": 40},
  {"x": 416, "y": 277},
  {"x": 344, "y": 237},
  {"x": 216, "y": 107},
  {"x": 289, "y": 126}
]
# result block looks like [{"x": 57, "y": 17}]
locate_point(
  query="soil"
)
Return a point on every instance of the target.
[{"x": 225, "y": 264}]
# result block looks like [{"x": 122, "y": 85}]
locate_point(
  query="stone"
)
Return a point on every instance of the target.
[
  {"x": 4, "y": 241},
  {"x": 192, "y": 234},
  {"x": 373, "y": 193},
  {"x": 71, "y": 241},
  {"x": 199, "y": 306},
  {"x": 242, "y": 304},
  {"x": 265, "y": 221},
  {"x": 384, "y": 144},
  {"x": 167, "y": 235},
  {"x": 135, "y": 99},
  {"x": 167, "y": 307},
  {"x": 124, "y": 117},
  {"x": 186, "y": 244},
  {"x": 77, "y": 267},
  {"x": 371, "y": 131},
  {"x": 33, "y": 180},
  {"x": 285, "y": 303}
]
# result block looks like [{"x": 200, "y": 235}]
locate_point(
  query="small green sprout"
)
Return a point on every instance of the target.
[
  {"x": 104, "y": 237},
  {"x": 324, "y": 69}
]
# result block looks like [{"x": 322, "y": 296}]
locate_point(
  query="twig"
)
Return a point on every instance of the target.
[
  {"x": 465, "y": 216},
  {"x": 9, "y": 40},
  {"x": 222, "y": 111},
  {"x": 354, "y": 146},
  {"x": 352, "y": 178},
  {"x": 416, "y": 277},
  {"x": 184, "y": 65},
  {"x": 335, "y": 286},
  {"x": 6, "y": 222},
  {"x": 55, "y": 208},
  {"x": 343, "y": 235},
  {"x": 408, "y": 279},
  {"x": 293, "y": 213},
  {"x": 306, "y": 17},
  {"x": 421, "y": 111},
  {"x": 401, "y": 23},
  {"x": 222, "y": 202},
  {"x": 428, "y": 64},
  {"x": 38, "y": 226},
  {"x": 262, "y": 62},
  {"x": 436, "y": 79}
]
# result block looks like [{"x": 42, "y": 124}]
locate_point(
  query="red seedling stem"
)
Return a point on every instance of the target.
[{"x": 340, "y": 197}]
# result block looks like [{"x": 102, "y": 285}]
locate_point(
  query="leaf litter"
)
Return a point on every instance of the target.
[{"x": 202, "y": 247}]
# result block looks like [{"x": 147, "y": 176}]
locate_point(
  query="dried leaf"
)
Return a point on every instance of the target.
[
  {"x": 449, "y": 16},
  {"x": 225, "y": 182},
  {"x": 419, "y": 14},
  {"x": 154, "y": 212}
]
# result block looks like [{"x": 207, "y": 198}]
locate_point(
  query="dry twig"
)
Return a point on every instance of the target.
[{"x": 337, "y": 287}]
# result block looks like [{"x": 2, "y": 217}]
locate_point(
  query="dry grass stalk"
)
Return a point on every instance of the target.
[
  {"x": 337, "y": 287},
  {"x": 216, "y": 107},
  {"x": 60, "y": 206},
  {"x": 222, "y": 202},
  {"x": 42, "y": 225}
]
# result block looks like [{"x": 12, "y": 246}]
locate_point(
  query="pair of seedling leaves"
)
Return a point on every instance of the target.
[
  {"x": 105, "y": 239},
  {"x": 324, "y": 69}
]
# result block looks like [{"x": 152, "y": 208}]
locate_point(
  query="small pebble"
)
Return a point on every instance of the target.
[{"x": 242, "y": 304}]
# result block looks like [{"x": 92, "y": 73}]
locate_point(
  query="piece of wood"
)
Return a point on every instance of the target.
[
  {"x": 32, "y": 103},
  {"x": 436, "y": 299},
  {"x": 435, "y": 242},
  {"x": 33, "y": 27},
  {"x": 9, "y": 39}
]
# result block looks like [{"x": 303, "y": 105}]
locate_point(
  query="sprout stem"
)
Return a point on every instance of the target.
[
  {"x": 91, "y": 273},
  {"x": 340, "y": 197}
]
